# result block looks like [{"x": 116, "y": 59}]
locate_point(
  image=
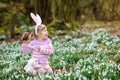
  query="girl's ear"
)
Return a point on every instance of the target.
[{"x": 34, "y": 17}]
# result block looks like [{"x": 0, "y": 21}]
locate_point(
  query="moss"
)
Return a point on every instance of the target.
[
  {"x": 57, "y": 25},
  {"x": 75, "y": 25},
  {"x": 17, "y": 31},
  {"x": 1, "y": 31}
]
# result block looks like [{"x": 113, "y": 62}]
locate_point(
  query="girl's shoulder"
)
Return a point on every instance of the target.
[
  {"x": 33, "y": 42},
  {"x": 36, "y": 42},
  {"x": 49, "y": 40}
]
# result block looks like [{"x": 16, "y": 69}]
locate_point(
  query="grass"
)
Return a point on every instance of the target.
[{"x": 86, "y": 56}]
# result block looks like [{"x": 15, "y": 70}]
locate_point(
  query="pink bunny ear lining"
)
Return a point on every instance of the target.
[
  {"x": 38, "y": 19},
  {"x": 33, "y": 17},
  {"x": 31, "y": 14}
]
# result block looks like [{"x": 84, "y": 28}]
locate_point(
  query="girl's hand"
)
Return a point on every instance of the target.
[
  {"x": 24, "y": 38},
  {"x": 25, "y": 41},
  {"x": 38, "y": 48}
]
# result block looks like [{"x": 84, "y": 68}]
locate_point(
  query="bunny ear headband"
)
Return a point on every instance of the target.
[{"x": 37, "y": 20}]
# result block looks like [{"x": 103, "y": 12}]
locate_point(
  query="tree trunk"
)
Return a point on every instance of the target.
[
  {"x": 53, "y": 9},
  {"x": 41, "y": 7},
  {"x": 12, "y": 26}
]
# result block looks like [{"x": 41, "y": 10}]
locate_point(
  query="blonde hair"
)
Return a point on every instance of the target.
[
  {"x": 31, "y": 36},
  {"x": 39, "y": 29},
  {"x": 26, "y": 36}
]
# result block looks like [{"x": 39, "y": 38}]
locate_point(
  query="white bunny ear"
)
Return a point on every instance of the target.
[
  {"x": 39, "y": 20},
  {"x": 34, "y": 17}
]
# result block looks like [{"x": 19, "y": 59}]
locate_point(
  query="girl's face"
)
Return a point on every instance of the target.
[{"x": 43, "y": 34}]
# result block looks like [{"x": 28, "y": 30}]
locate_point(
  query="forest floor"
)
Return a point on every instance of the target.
[{"x": 112, "y": 27}]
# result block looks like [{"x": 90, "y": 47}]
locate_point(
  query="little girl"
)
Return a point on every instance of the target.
[{"x": 41, "y": 48}]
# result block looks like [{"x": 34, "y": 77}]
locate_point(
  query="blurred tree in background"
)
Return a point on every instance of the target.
[{"x": 55, "y": 13}]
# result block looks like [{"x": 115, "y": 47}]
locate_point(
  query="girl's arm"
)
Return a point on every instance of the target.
[
  {"x": 48, "y": 50},
  {"x": 24, "y": 40},
  {"x": 25, "y": 48}
]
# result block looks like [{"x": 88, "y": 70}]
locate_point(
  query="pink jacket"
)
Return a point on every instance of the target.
[{"x": 42, "y": 54}]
